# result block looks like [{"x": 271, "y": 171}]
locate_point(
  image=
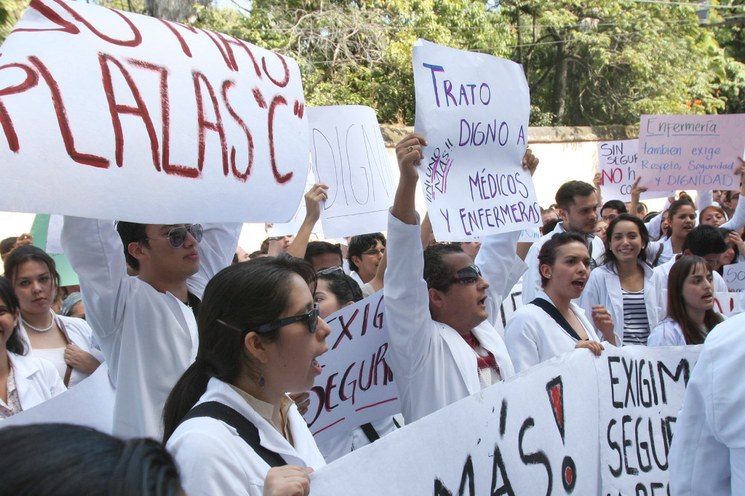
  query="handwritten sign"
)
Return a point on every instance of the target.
[
  {"x": 690, "y": 151},
  {"x": 734, "y": 276},
  {"x": 356, "y": 385},
  {"x": 617, "y": 166},
  {"x": 638, "y": 407},
  {"x": 118, "y": 115},
  {"x": 473, "y": 110},
  {"x": 537, "y": 433},
  {"x": 728, "y": 304},
  {"x": 348, "y": 154}
]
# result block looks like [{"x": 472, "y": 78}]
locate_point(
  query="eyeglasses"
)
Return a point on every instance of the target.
[
  {"x": 467, "y": 275},
  {"x": 177, "y": 236},
  {"x": 338, "y": 272},
  {"x": 374, "y": 251},
  {"x": 311, "y": 317}
]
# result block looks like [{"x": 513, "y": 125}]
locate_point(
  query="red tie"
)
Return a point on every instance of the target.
[{"x": 483, "y": 362}]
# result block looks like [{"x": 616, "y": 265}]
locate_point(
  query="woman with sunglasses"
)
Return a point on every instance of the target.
[
  {"x": 259, "y": 337},
  {"x": 67, "y": 342},
  {"x": 551, "y": 324}
]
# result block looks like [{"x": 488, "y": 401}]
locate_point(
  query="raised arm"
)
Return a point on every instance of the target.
[{"x": 313, "y": 199}]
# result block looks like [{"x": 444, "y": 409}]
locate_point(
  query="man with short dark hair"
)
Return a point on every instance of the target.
[
  {"x": 323, "y": 255},
  {"x": 145, "y": 325},
  {"x": 612, "y": 209},
  {"x": 578, "y": 205},
  {"x": 442, "y": 345}
]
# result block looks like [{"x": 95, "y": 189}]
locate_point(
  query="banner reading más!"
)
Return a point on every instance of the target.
[
  {"x": 117, "y": 115},
  {"x": 577, "y": 424}
]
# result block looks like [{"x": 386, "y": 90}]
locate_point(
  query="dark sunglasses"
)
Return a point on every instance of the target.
[
  {"x": 467, "y": 275},
  {"x": 177, "y": 236},
  {"x": 338, "y": 272},
  {"x": 311, "y": 317}
]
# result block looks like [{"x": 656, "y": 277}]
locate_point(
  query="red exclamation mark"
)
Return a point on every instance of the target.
[{"x": 555, "y": 390}]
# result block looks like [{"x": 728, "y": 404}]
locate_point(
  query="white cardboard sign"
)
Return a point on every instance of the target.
[
  {"x": 348, "y": 154},
  {"x": 110, "y": 114},
  {"x": 617, "y": 166},
  {"x": 473, "y": 109},
  {"x": 734, "y": 276},
  {"x": 690, "y": 151},
  {"x": 356, "y": 385}
]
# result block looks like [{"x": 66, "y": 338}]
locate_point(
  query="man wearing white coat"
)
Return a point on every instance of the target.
[
  {"x": 707, "y": 455},
  {"x": 146, "y": 325},
  {"x": 442, "y": 348}
]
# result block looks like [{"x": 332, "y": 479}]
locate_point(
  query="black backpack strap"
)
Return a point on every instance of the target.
[
  {"x": 246, "y": 429},
  {"x": 370, "y": 432},
  {"x": 550, "y": 309}
]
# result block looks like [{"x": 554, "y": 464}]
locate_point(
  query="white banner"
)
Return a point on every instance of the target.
[
  {"x": 473, "y": 109},
  {"x": 116, "y": 115},
  {"x": 641, "y": 394},
  {"x": 734, "y": 276},
  {"x": 90, "y": 403},
  {"x": 695, "y": 152},
  {"x": 356, "y": 385},
  {"x": 617, "y": 167},
  {"x": 537, "y": 433},
  {"x": 348, "y": 154}
]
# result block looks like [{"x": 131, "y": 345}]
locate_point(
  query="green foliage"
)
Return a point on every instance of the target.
[
  {"x": 10, "y": 12},
  {"x": 587, "y": 62}
]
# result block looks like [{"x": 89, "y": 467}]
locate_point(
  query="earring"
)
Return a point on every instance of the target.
[{"x": 261, "y": 381}]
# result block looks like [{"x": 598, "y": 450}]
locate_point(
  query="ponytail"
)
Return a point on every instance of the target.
[{"x": 184, "y": 395}]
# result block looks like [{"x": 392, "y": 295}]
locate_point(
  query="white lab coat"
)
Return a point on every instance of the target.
[
  {"x": 432, "y": 364},
  {"x": 344, "y": 443},
  {"x": 213, "y": 459},
  {"x": 667, "y": 333},
  {"x": 148, "y": 338},
  {"x": 604, "y": 288},
  {"x": 532, "y": 336},
  {"x": 36, "y": 380},
  {"x": 708, "y": 450},
  {"x": 78, "y": 332},
  {"x": 532, "y": 277},
  {"x": 657, "y": 309}
]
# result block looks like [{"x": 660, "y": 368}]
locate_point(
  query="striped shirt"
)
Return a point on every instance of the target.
[{"x": 635, "y": 321}]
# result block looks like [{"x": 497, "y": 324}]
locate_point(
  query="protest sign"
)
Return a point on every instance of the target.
[
  {"x": 640, "y": 395},
  {"x": 528, "y": 435},
  {"x": 617, "y": 166},
  {"x": 728, "y": 304},
  {"x": 356, "y": 385},
  {"x": 473, "y": 110},
  {"x": 734, "y": 276},
  {"x": 348, "y": 154},
  {"x": 90, "y": 403},
  {"x": 116, "y": 115},
  {"x": 697, "y": 152},
  {"x": 537, "y": 433}
]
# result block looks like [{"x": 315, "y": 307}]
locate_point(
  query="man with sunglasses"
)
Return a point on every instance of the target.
[
  {"x": 437, "y": 303},
  {"x": 145, "y": 323}
]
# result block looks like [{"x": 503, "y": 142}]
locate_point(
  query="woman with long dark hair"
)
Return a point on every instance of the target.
[
  {"x": 228, "y": 421},
  {"x": 621, "y": 283},
  {"x": 67, "y": 342},
  {"x": 24, "y": 381},
  {"x": 690, "y": 305}
]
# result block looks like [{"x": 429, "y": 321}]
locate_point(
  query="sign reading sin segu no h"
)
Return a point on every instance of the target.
[{"x": 106, "y": 113}]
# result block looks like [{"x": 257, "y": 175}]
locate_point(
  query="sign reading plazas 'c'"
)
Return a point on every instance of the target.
[{"x": 110, "y": 114}]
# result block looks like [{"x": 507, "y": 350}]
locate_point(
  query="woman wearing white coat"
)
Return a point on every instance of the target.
[
  {"x": 65, "y": 341},
  {"x": 533, "y": 335},
  {"x": 259, "y": 337},
  {"x": 690, "y": 306},
  {"x": 24, "y": 381},
  {"x": 621, "y": 284}
]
